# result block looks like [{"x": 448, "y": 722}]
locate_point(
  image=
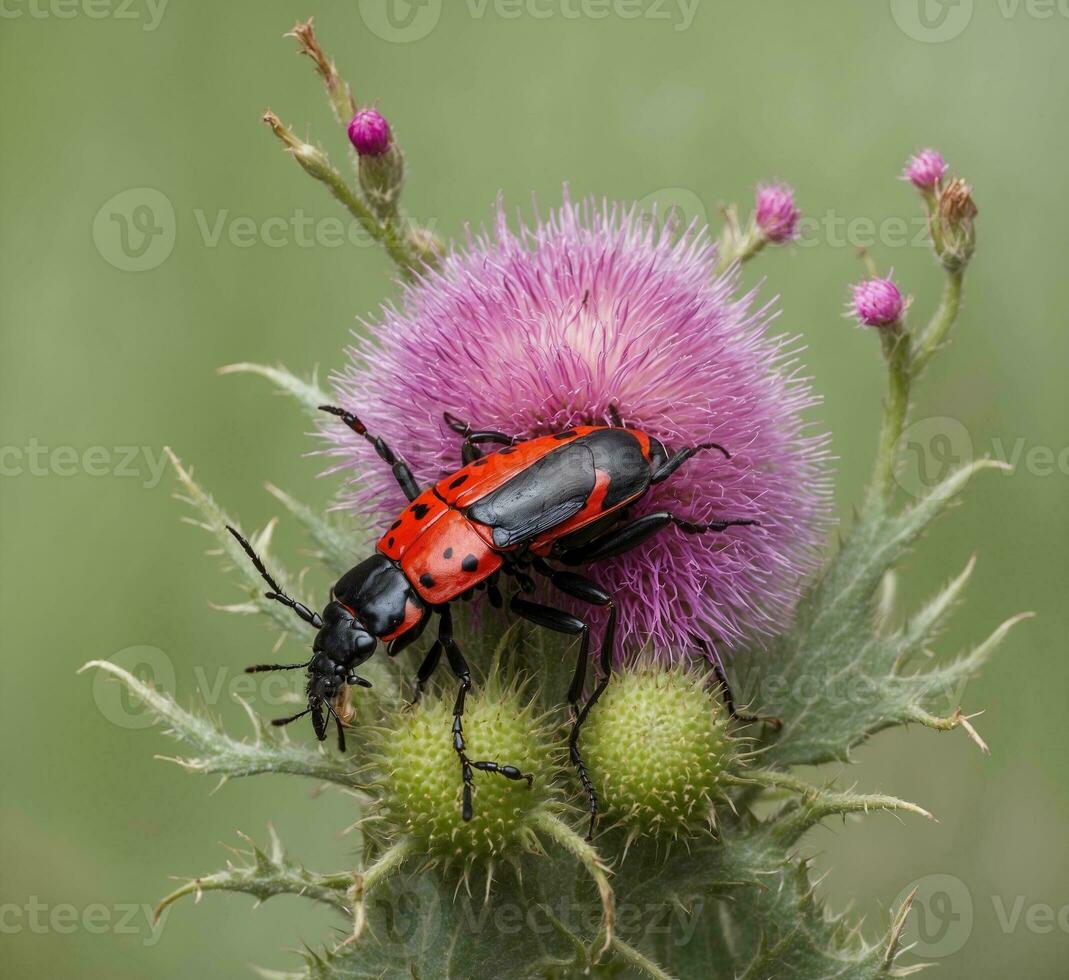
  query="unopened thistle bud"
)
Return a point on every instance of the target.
[
  {"x": 421, "y": 776},
  {"x": 656, "y": 745},
  {"x": 878, "y": 303},
  {"x": 956, "y": 239},
  {"x": 776, "y": 214},
  {"x": 382, "y": 165},
  {"x": 369, "y": 132}
]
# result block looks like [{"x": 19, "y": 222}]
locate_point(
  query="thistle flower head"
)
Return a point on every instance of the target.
[
  {"x": 656, "y": 746},
  {"x": 369, "y": 132},
  {"x": 534, "y": 331},
  {"x": 924, "y": 170},
  {"x": 878, "y": 302},
  {"x": 776, "y": 213}
]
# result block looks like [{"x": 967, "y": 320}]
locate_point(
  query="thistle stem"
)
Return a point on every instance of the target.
[
  {"x": 906, "y": 358},
  {"x": 386, "y": 232},
  {"x": 896, "y": 348},
  {"x": 932, "y": 337},
  {"x": 567, "y": 838},
  {"x": 362, "y": 883},
  {"x": 636, "y": 959},
  {"x": 736, "y": 245}
]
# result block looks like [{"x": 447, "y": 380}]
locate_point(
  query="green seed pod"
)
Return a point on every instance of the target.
[
  {"x": 421, "y": 777},
  {"x": 656, "y": 745}
]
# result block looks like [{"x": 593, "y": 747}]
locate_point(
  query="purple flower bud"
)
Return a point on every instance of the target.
[
  {"x": 370, "y": 133},
  {"x": 777, "y": 217},
  {"x": 878, "y": 302},
  {"x": 925, "y": 170}
]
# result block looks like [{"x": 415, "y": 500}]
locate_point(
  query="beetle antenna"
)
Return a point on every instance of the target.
[
  {"x": 276, "y": 592},
  {"x": 257, "y": 668},
  {"x": 279, "y": 722}
]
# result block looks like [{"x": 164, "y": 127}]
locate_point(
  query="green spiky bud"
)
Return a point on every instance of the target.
[
  {"x": 420, "y": 773},
  {"x": 656, "y": 746}
]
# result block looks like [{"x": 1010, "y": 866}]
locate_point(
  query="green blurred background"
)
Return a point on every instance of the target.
[{"x": 111, "y": 344}]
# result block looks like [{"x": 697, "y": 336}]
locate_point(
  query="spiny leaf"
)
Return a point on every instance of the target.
[
  {"x": 382, "y": 673},
  {"x": 791, "y": 824},
  {"x": 308, "y": 393},
  {"x": 265, "y": 874},
  {"x": 816, "y": 804},
  {"x": 924, "y": 624},
  {"x": 338, "y": 547},
  {"x": 836, "y": 678},
  {"x": 219, "y": 753},
  {"x": 214, "y": 520}
]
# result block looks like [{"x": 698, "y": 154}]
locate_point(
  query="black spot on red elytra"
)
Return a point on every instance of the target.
[
  {"x": 389, "y": 542},
  {"x": 480, "y": 462},
  {"x": 566, "y": 434},
  {"x": 419, "y": 511},
  {"x": 470, "y": 563},
  {"x": 448, "y": 553},
  {"x": 463, "y": 478},
  {"x": 506, "y": 452},
  {"x": 396, "y": 524},
  {"x": 426, "y": 580}
]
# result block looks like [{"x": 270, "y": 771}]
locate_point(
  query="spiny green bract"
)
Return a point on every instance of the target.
[
  {"x": 421, "y": 780},
  {"x": 656, "y": 745}
]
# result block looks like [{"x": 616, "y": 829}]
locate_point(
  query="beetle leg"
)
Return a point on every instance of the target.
[
  {"x": 493, "y": 593},
  {"x": 725, "y": 688},
  {"x": 459, "y": 666},
  {"x": 631, "y": 535},
  {"x": 428, "y": 667},
  {"x": 582, "y": 588},
  {"x": 677, "y": 459},
  {"x": 400, "y": 468},
  {"x": 469, "y": 451}
]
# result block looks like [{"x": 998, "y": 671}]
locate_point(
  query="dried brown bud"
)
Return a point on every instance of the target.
[
  {"x": 956, "y": 216},
  {"x": 341, "y": 97}
]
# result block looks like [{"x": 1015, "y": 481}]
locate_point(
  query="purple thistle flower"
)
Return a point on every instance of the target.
[
  {"x": 536, "y": 331},
  {"x": 370, "y": 133},
  {"x": 925, "y": 170},
  {"x": 776, "y": 213},
  {"x": 878, "y": 302}
]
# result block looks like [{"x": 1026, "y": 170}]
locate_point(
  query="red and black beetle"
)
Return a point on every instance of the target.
[{"x": 534, "y": 504}]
